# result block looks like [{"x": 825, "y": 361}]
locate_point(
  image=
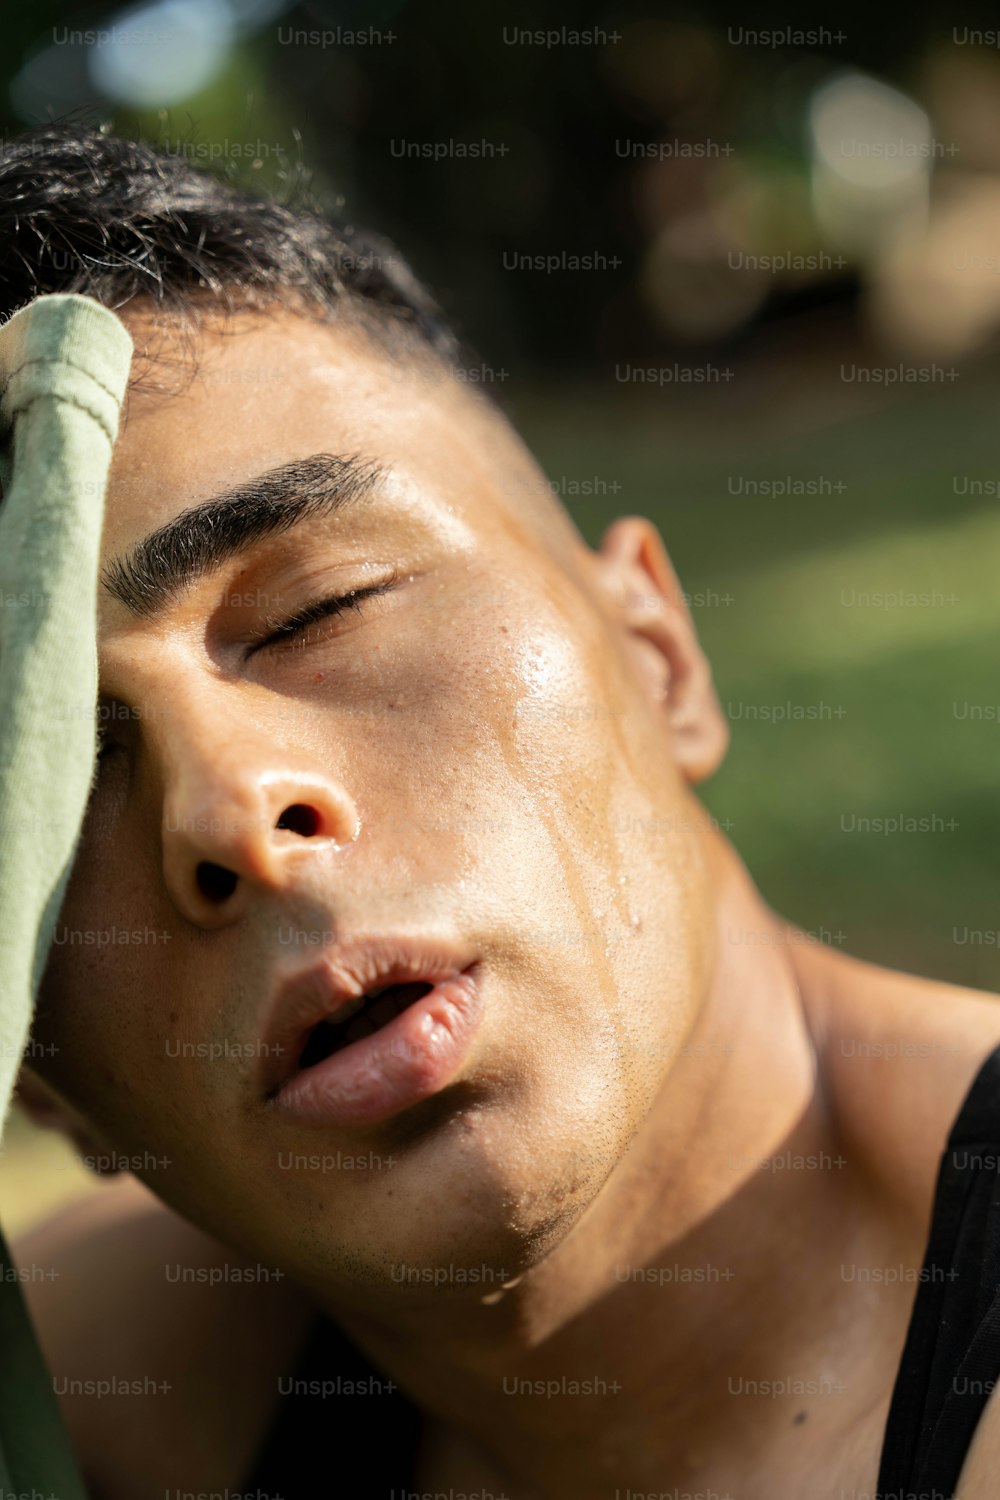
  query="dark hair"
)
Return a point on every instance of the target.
[{"x": 83, "y": 210}]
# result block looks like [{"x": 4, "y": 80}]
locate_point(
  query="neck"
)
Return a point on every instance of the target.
[{"x": 664, "y": 1290}]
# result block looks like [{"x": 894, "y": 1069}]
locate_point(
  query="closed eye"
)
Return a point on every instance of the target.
[{"x": 290, "y": 630}]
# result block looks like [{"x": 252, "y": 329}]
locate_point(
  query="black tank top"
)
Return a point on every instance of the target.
[{"x": 950, "y": 1361}]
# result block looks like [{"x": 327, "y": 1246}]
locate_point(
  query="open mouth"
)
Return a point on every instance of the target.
[
  {"x": 357, "y": 1019},
  {"x": 362, "y": 1036}
]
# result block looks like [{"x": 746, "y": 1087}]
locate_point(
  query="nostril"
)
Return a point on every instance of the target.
[
  {"x": 300, "y": 819},
  {"x": 215, "y": 881}
]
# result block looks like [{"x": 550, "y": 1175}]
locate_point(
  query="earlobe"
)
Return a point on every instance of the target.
[{"x": 634, "y": 569}]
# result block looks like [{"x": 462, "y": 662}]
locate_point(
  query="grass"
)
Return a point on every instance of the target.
[{"x": 889, "y": 686}]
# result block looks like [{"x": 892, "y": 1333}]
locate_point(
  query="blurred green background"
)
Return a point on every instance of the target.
[{"x": 797, "y": 230}]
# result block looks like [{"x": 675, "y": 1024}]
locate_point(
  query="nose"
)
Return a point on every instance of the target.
[{"x": 236, "y": 824}]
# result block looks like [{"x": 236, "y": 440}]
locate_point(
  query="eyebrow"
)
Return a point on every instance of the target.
[{"x": 198, "y": 541}]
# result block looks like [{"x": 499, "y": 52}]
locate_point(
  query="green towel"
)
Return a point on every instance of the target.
[
  {"x": 64, "y": 364},
  {"x": 64, "y": 361}
]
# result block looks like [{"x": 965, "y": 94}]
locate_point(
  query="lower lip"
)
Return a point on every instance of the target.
[{"x": 408, "y": 1059}]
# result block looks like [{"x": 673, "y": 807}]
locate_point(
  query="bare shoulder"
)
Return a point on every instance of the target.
[
  {"x": 898, "y": 1056},
  {"x": 164, "y": 1347}
]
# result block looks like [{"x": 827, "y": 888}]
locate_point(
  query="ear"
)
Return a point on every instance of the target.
[
  {"x": 45, "y": 1109},
  {"x": 633, "y": 567}
]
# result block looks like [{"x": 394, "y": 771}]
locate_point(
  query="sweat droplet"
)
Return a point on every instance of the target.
[{"x": 492, "y": 1298}]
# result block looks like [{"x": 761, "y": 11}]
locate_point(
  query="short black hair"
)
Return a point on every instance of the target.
[{"x": 84, "y": 210}]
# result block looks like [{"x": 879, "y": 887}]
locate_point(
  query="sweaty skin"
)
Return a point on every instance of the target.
[{"x": 500, "y": 751}]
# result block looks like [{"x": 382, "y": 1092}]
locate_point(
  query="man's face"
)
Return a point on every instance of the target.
[{"x": 476, "y": 757}]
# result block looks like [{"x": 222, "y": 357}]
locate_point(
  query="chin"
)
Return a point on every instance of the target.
[{"x": 457, "y": 1218}]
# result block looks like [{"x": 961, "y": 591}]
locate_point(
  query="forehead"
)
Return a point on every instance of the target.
[{"x": 260, "y": 391}]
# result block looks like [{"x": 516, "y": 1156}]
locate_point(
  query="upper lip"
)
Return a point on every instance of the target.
[{"x": 336, "y": 976}]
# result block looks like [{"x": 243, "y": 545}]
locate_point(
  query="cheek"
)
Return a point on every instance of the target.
[
  {"x": 501, "y": 748},
  {"x": 595, "y": 759},
  {"x": 87, "y": 1006},
  {"x": 104, "y": 1001}
]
